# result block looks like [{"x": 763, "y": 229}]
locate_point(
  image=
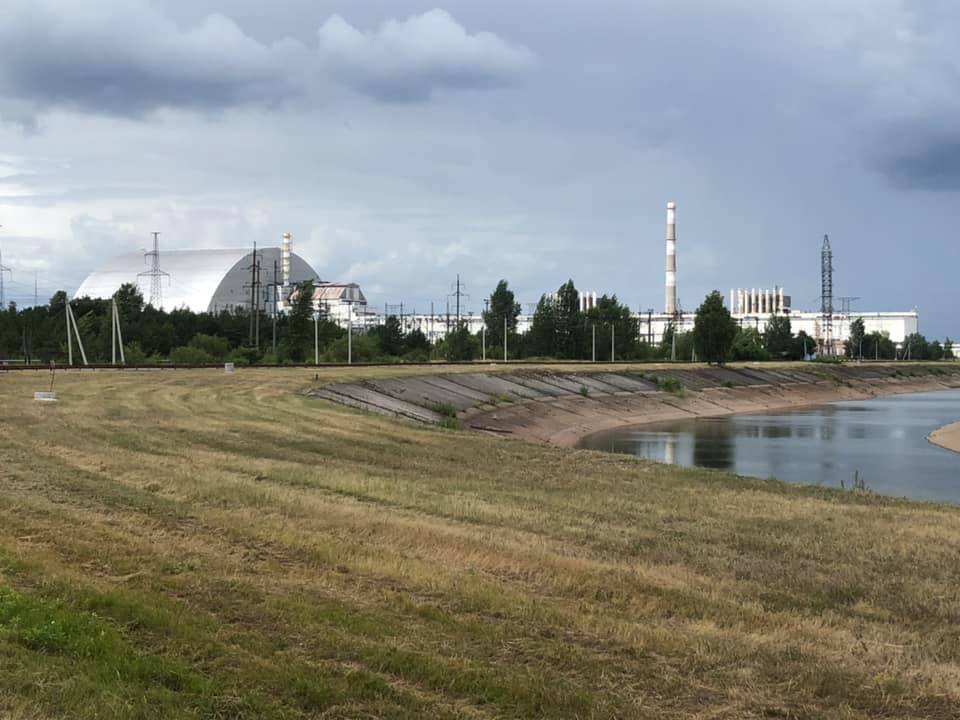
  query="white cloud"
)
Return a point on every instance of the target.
[{"x": 408, "y": 60}]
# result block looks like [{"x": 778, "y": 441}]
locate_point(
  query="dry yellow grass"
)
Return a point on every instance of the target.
[{"x": 195, "y": 544}]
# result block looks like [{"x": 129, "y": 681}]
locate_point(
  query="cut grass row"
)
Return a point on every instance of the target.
[{"x": 203, "y": 545}]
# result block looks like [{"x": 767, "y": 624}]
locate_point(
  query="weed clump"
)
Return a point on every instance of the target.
[
  {"x": 584, "y": 390},
  {"x": 448, "y": 414}
]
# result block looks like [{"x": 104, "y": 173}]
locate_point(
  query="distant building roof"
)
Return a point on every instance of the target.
[{"x": 339, "y": 292}]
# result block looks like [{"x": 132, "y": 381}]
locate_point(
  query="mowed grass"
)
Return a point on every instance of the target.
[{"x": 201, "y": 545}]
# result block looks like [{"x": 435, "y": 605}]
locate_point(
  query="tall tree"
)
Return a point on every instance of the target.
[
  {"x": 389, "y": 336},
  {"x": 502, "y": 307},
  {"x": 301, "y": 319},
  {"x": 569, "y": 323},
  {"x": 609, "y": 315},
  {"x": 948, "y": 349},
  {"x": 778, "y": 337},
  {"x": 854, "y": 344},
  {"x": 543, "y": 331},
  {"x": 915, "y": 347},
  {"x": 713, "y": 330}
]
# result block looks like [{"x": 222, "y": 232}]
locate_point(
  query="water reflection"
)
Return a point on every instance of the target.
[
  {"x": 713, "y": 444},
  {"x": 883, "y": 440}
]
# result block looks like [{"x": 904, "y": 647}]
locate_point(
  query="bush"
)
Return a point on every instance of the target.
[
  {"x": 133, "y": 354},
  {"x": 364, "y": 349},
  {"x": 216, "y": 347},
  {"x": 191, "y": 356}
]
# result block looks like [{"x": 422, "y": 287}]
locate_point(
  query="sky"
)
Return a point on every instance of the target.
[{"x": 402, "y": 143}]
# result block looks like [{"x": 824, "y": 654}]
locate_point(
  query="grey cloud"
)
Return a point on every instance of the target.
[
  {"x": 127, "y": 58},
  {"x": 923, "y": 160},
  {"x": 409, "y": 60}
]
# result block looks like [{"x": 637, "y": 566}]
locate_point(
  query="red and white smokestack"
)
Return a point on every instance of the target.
[
  {"x": 670, "y": 303},
  {"x": 285, "y": 259}
]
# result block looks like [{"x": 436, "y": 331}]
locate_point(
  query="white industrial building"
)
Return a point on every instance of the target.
[
  {"x": 202, "y": 280},
  {"x": 342, "y": 303}
]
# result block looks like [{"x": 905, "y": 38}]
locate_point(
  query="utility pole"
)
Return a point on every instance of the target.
[
  {"x": 593, "y": 346},
  {"x": 254, "y": 269},
  {"x": 612, "y": 343},
  {"x": 116, "y": 335},
  {"x": 458, "y": 299},
  {"x": 275, "y": 290},
  {"x": 483, "y": 343},
  {"x": 316, "y": 338},
  {"x": 504, "y": 338}
]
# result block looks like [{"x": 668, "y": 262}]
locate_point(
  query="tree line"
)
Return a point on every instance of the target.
[{"x": 560, "y": 330}]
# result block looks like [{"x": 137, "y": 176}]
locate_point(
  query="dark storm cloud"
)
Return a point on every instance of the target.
[
  {"x": 128, "y": 59},
  {"x": 923, "y": 160}
]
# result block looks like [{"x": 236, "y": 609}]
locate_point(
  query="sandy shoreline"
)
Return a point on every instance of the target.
[{"x": 947, "y": 437}]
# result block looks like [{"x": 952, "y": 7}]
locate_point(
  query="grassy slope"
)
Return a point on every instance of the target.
[{"x": 192, "y": 544}]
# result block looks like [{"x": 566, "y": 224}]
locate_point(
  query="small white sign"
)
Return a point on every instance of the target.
[
  {"x": 45, "y": 396},
  {"x": 228, "y": 368}
]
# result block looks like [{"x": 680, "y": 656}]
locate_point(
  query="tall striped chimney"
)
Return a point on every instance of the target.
[
  {"x": 285, "y": 259},
  {"x": 670, "y": 304}
]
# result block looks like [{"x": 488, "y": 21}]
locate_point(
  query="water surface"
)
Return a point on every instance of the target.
[{"x": 882, "y": 441}]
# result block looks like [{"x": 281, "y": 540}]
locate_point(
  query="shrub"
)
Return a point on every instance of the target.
[
  {"x": 217, "y": 347},
  {"x": 190, "y": 356}
]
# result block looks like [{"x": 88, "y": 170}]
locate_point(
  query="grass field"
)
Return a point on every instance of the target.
[{"x": 200, "y": 545}]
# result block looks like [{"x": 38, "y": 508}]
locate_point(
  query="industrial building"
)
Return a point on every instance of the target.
[{"x": 203, "y": 280}]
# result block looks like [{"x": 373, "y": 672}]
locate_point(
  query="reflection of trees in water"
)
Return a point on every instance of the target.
[{"x": 714, "y": 444}]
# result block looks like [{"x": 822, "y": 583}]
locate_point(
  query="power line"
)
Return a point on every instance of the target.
[
  {"x": 155, "y": 274},
  {"x": 826, "y": 294}
]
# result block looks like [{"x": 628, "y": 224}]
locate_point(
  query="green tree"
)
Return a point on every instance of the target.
[
  {"x": 502, "y": 307},
  {"x": 713, "y": 330},
  {"x": 802, "y": 346},
  {"x": 416, "y": 342},
  {"x": 129, "y": 301},
  {"x": 543, "y": 332},
  {"x": 948, "y": 349},
  {"x": 569, "y": 323},
  {"x": 778, "y": 337},
  {"x": 300, "y": 333},
  {"x": 915, "y": 347},
  {"x": 936, "y": 350},
  {"x": 610, "y": 314},
  {"x": 879, "y": 346},
  {"x": 748, "y": 345},
  {"x": 217, "y": 348},
  {"x": 854, "y": 344},
  {"x": 389, "y": 336},
  {"x": 461, "y": 344}
]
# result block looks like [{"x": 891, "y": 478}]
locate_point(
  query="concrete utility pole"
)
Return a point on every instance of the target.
[
  {"x": 116, "y": 336},
  {"x": 593, "y": 346},
  {"x": 504, "y": 338},
  {"x": 483, "y": 342},
  {"x": 316, "y": 338},
  {"x": 612, "y": 343}
]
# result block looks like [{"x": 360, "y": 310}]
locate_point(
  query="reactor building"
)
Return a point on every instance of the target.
[{"x": 204, "y": 280}]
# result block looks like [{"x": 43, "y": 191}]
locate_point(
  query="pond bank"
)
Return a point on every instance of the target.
[{"x": 947, "y": 437}]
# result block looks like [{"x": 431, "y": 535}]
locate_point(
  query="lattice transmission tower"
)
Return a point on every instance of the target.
[
  {"x": 155, "y": 274},
  {"x": 826, "y": 295}
]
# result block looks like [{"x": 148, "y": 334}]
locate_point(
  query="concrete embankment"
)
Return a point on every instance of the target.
[
  {"x": 947, "y": 437},
  {"x": 560, "y": 407}
]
